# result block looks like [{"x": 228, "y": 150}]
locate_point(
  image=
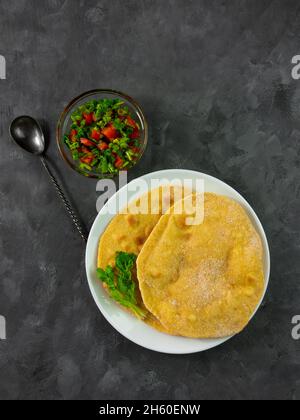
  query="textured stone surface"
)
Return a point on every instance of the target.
[{"x": 214, "y": 79}]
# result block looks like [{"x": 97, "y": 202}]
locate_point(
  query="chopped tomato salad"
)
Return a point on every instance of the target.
[{"x": 104, "y": 137}]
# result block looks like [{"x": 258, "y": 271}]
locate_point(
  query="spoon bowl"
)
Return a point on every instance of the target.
[{"x": 27, "y": 133}]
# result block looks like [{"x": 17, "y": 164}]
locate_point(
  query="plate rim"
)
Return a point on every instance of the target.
[{"x": 161, "y": 174}]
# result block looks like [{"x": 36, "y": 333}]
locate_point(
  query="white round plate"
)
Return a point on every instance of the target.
[{"x": 125, "y": 323}]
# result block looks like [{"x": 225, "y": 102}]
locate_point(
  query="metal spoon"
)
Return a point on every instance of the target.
[{"x": 27, "y": 133}]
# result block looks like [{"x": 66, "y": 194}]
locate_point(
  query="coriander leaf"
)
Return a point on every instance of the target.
[
  {"x": 107, "y": 276},
  {"x": 120, "y": 284},
  {"x": 125, "y": 261}
]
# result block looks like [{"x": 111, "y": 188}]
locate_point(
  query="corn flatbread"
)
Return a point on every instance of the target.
[
  {"x": 206, "y": 280},
  {"x": 128, "y": 232}
]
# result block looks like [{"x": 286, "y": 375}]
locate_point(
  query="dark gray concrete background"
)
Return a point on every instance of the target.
[{"x": 214, "y": 79}]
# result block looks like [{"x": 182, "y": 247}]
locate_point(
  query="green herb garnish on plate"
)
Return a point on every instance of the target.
[{"x": 120, "y": 283}]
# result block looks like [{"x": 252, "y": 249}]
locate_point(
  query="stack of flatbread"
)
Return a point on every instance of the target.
[{"x": 201, "y": 280}]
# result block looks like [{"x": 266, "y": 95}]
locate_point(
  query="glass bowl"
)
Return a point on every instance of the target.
[{"x": 64, "y": 123}]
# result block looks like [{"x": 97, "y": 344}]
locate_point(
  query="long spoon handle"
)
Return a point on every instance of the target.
[{"x": 67, "y": 205}]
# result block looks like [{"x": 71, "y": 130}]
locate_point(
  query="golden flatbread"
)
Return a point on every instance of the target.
[
  {"x": 128, "y": 232},
  {"x": 205, "y": 280}
]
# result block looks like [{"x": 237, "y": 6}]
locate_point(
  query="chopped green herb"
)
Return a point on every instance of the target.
[
  {"x": 103, "y": 136},
  {"x": 120, "y": 283}
]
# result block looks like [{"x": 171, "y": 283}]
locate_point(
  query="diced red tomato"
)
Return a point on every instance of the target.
[
  {"x": 84, "y": 149},
  {"x": 95, "y": 134},
  {"x": 73, "y": 139},
  {"x": 72, "y": 136},
  {"x": 94, "y": 117},
  {"x": 110, "y": 132},
  {"x": 102, "y": 146},
  {"x": 131, "y": 122},
  {"x": 88, "y": 159},
  {"x": 135, "y": 134},
  {"x": 135, "y": 149},
  {"x": 119, "y": 162},
  {"x": 86, "y": 142},
  {"x": 88, "y": 118}
]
